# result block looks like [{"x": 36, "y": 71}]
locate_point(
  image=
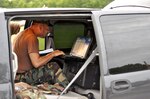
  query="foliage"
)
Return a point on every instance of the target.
[{"x": 53, "y": 3}]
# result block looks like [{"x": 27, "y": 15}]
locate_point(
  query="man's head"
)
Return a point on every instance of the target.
[{"x": 41, "y": 28}]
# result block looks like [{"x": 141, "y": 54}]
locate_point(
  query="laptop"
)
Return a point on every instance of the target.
[{"x": 80, "y": 47}]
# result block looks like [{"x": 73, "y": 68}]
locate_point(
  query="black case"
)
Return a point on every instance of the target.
[{"x": 90, "y": 77}]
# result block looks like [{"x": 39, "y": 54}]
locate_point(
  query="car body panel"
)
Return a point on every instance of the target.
[
  {"x": 128, "y": 85},
  {"x": 128, "y": 4},
  {"x": 6, "y": 80},
  {"x": 132, "y": 85}
]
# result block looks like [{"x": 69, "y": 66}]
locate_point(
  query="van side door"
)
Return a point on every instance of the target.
[
  {"x": 6, "y": 77},
  {"x": 123, "y": 39}
]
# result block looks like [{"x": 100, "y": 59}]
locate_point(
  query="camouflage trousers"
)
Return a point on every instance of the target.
[
  {"x": 30, "y": 93},
  {"x": 51, "y": 73}
]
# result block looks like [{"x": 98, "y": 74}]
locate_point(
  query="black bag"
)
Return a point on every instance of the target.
[{"x": 90, "y": 77}]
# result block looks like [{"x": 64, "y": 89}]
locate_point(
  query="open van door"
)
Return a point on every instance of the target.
[
  {"x": 6, "y": 79},
  {"x": 123, "y": 40}
]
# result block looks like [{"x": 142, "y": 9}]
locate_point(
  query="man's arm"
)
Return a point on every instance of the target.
[{"x": 39, "y": 61}]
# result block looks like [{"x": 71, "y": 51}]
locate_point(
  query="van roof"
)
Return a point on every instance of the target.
[
  {"x": 19, "y": 11},
  {"x": 128, "y": 3}
]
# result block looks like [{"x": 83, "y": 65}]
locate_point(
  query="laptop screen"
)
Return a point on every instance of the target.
[{"x": 81, "y": 47}]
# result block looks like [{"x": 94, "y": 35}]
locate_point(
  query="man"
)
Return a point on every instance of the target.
[{"x": 33, "y": 68}]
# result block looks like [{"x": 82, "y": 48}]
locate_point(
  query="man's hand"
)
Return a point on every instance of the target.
[{"x": 58, "y": 53}]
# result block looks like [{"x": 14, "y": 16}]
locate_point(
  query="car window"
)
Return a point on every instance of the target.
[
  {"x": 66, "y": 33},
  {"x": 126, "y": 40}
]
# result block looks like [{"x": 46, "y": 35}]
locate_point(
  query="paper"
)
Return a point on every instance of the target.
[{"x": 46, "y": 51}]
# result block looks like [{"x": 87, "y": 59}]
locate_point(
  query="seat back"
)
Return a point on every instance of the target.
[{"x": 14, "y": 64}]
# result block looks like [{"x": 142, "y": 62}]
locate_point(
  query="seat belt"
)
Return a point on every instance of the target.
[
  {"x": 80, "y": 71},
  {"x": 50, "y": 41}
]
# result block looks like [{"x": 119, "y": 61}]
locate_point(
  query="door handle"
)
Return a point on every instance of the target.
[{"x": 120, "y": 86}]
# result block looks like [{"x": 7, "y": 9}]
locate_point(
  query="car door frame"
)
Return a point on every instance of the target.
[{"x": 6, "y": 73}]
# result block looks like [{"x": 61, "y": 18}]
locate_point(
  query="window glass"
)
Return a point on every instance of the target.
[
  {"x": 41, "y": 43},
  {"x": 127, "y": 42},
  {"x": 66, "y": 33}
]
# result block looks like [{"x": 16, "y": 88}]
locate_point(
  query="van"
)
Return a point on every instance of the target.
[{"x": 115, "y": 58}]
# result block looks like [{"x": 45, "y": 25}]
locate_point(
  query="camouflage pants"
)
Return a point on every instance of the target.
[
  {"x": 31, "y": 93},
  {"x": 50, "y": 73}
]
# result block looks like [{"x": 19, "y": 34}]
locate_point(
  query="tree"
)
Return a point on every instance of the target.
[{"x": 54, "y": 3}]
